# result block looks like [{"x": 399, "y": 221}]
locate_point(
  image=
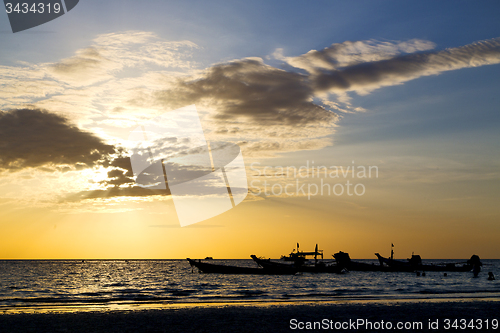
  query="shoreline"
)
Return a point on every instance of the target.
[
  {"x": 162, "y": 305},
  {"x": 257, "y": 317}
]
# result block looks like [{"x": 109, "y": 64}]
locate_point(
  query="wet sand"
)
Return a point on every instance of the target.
[{"x": 256, "y": 317}]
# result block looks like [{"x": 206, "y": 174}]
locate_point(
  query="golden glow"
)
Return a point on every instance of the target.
[{"x": 269, "y": 228}]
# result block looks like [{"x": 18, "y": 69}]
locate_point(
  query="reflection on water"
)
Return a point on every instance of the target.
[{"x": 93, "y": 283}]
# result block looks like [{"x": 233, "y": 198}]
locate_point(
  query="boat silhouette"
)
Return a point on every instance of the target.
[
  {"x": 204, "y": 267},
  {"x": 415, "y": 264}
]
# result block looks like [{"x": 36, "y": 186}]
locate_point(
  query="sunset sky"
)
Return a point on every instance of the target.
[{"x": 410, "y": 89}]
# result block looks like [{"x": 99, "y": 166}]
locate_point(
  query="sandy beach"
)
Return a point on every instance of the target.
[{"x": 374, "y": 315}]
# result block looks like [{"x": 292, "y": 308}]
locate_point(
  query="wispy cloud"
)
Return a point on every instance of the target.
[
  {"x": 97, "y": 77},
  {"x": 111, "y": 53},
  {"x": 336, "y": 70},
  {"x": 349, "y": 53}
]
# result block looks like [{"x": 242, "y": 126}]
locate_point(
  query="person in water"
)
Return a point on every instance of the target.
[
  {"x": 491, "y": 276},
  {"x": 476, "y": 264}
]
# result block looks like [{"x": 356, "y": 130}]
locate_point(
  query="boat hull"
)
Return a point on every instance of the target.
[
  {"x": 268, "y": 264},
  {"x": 343, "y": 260},
  {"x": 408, "y": 267},
  {"x": 225, "y": 269}
]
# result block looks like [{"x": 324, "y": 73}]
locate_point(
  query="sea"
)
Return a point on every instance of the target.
[{"x": 27, "y": 285}]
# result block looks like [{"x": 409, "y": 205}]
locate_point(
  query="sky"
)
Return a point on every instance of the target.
[{"x": 390, "y": 108}]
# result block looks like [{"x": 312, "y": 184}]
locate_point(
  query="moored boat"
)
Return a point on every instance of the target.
[
  {"x": 343, "y": 260},
  {"x": 415, "y": 264},
  {"x": 226, "y": 269},
  {"x": 300, "y": 257},
  {"x": 319, "y": 267}
]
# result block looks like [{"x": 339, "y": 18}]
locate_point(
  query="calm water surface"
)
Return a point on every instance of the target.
[{"x": 73, "y": 282}]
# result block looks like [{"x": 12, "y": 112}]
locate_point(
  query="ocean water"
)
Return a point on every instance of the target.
[{"x": 37, "y": 283}]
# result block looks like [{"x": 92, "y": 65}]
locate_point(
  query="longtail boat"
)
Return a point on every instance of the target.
[
  {"x": 317, "y": 268},
  {"x": 301, "y": 256},
  {"x": 343, "y": 260},
  {"x": 415, "y": 264},
  {"x": 226, "y": 269}
]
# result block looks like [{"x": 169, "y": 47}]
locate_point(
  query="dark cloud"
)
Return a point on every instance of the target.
[
  {"x": 117, "y": 177},
  {"x": 249, "y": 88},
  {"x": 36, "y": 138},
  {"x": 121, "y": 171},
  {"x": 123, "y": 164}
]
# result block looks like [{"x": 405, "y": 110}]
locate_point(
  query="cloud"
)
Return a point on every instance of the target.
[
  {"x": 98, "y": 78},
  {"x": 88, "y": 66},
  {"x": 244, "y": 100},
  {"x": 46, "y": 150},
  {"x": 20, "y": 85},
  {"x": 36, "y": 138},
  {"x": 134, "y": 191},
  {"x": 269, "y": 148},
  {"x": 351, "y": 53},
  {"x": 331, "y": 72},
  {"x": 250, "y": 89},
  {"x": 271, "y": 109},
  {"x": 112, "y": 53}
]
